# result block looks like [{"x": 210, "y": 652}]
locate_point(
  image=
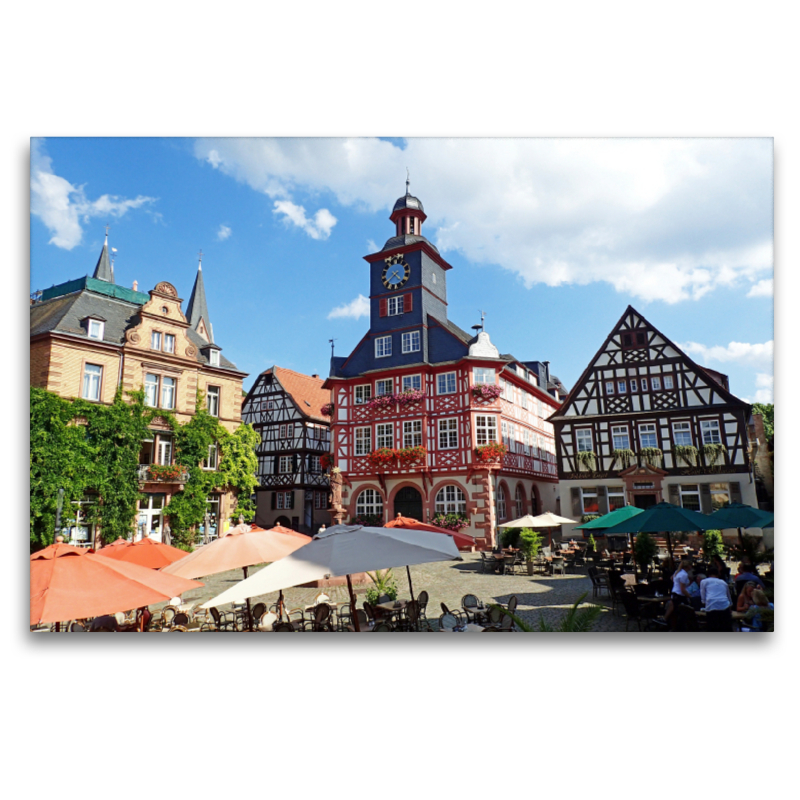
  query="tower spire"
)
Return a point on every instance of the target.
[
  {"x": 104, "y": 270},
  {"x": 197, "y": 309}
]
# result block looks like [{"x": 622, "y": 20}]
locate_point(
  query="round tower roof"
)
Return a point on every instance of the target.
[{"x": 408, "y": 201}]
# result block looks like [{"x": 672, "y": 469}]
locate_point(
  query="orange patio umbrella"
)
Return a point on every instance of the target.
[
  {"x": 145, "y": 553},
  {"x": 72, "y": 583},
  {"x": 409, "y": 523},
  {"x": 240, "y": 548}
]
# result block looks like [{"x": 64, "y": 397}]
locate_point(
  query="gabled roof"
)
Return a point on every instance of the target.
[
  {"x": 618, "y": 329},
  {"x": 198, "y": 308},
  {"x": 306, "y": 392}
]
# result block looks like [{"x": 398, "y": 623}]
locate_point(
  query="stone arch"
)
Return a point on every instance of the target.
[
  {"x": 356, "y": 492},
  {"x": 519, "y": 495},
  {"x": 536, "y": 501},
  {"x": 507, "y": 498},
  {"x": 407, "y": 485}
]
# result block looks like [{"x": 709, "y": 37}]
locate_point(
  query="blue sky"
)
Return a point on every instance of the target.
[{"x": 551, "y": 238}]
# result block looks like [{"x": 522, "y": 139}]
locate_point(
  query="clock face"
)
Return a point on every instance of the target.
[{"x": 395, "y": 273}]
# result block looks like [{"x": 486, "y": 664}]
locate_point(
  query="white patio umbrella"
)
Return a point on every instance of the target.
[
  {"x": 344, "y": 550},
  {"x": 523, "y": 522},
  {"x": 550, "y": 520}
]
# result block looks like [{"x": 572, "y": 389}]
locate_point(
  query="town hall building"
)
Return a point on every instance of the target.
[{"x": 429, "y": 420}]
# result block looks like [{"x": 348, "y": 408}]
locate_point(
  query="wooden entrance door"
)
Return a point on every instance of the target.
[
  {"x": 408, "y": 502},
  {"x": 644, "y": 500}
]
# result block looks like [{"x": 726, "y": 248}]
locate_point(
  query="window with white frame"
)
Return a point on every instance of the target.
[
  {"x": 283, "y": 500},
  {"x": 92, "y": 379},
  {"x": 446, "y": 383},
  {"x": 519, "y": 502},
  {"x": 151, "y": 390},
  {"x": 668, "y": 383},
  {"x": 285, "y": 464},
  {"x": 690, "y": 496},
  {"x": 485, "y": 429},
  {"x": 504, "y": 432},
  {"x": 411, "y": 342},
  {"x": 363, "y": 441},
  {"x": 213, "y": 358},
  {"x": 96, "y": 328},
  {"x": 647, "y": 435},
  {"x": 616, "y": 497},
  {"x": 655, "y": 383},
  {"x": 212, "y": 400},
  {"x": 450, "y": 500},
  {"x": 168, "y": 392},
  {"x": 412, "y": 433},
  {"x": 589, "y": 500},
  {"x": 369, "y": 502},
  {"x": 709, "y": 430},
  {"x": 169, "y": 343},
  {"x": 583, "y": 440},
  {"x": 394, "y": 305},
  {"x": 619, "y": 437},
  {"x": 483, "y": 375},
  {"x": 621, "y": 387},
  {"x": 383, "y": 346},
  {"x": 384, "y": 435},
  {"x": 609, "y": 387},
  {"x": 212, "y": 459},
  {"x": 314, "y": 465},
  {"x": 523, "y": 399},
  {"x": 383, "y": 387},
  {"x": 644, "y": 384},
  {"x": 633, "y": 384},
  {"x": 448, "y": 434},
  {"x": 412, "y": 382},
  {"x": 682, "y": 433},
  {"x": 527, "y": 441},
  {"x": 155, "y": 340},
  {"x": 512, "y": 437},
  {"x": 320, "y": 500},
  {"x": 164, "y": 450},
  {"x": 501, "y": 503},
  {"x": 720, "y": 495},
  {"x": 363, "y": 393}
]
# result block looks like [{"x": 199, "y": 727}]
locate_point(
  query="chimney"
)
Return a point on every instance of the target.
[
  {"x": 315, "y": 375},
  {"x": 135, "y": 286},
  {"x": 546, "y": 372}
]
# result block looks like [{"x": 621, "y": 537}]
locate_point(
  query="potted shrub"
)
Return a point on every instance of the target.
[
  {"x": 530, "y": 543},
  {"x": 384, "y": 589},
  {"x": 644, "y": 551}
]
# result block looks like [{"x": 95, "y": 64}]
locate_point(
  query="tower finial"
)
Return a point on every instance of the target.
[
  {"x": 331, "y": 341},
  {"x": 408, "y": 182},
  {"x": 200, "y": 260},
  {"x": 107, "y": 227}
]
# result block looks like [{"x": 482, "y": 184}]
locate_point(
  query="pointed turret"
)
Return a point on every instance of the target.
[
  {"x": 104, "y": 270},
  {"x": 197, "y": 310}
]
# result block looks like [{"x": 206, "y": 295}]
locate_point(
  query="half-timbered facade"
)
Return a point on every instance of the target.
[
  {"x": 418, "y": 399},
  {"x": 285, "y": 409},
  {"x": 645, "y": 423}
]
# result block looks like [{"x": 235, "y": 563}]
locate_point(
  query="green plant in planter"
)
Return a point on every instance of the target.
[
  {"x": 712, "y": 452},
  {"x": 687, "y": 453},
  {"x": 577, "y": 620},
  {"x": 624, "y": 456},
  {"x": 587, "y": 459},
  {"x": 652, "y": 456},
  {"x": 644, "y": 550},
  {"x": 530, "y": 542},
  {"x": 592, "y": 543},
  {"x": 712, "y": 544},
  {"x": 384, "y": 585},
  {"x": 589, "y": 517}
]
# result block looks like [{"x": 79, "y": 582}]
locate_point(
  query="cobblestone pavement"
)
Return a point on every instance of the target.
[{"x": 447, "y": 582}]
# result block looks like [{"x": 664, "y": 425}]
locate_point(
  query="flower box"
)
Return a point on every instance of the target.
[
  {"x": 382, "y": 457},
  {"x": 486, "y": 391},
  {"x": 380, "y": 402},
  {"x": 325, "y": 461},
  {"x": 450, "y": 522},
  {"x": 327, "y": 410},
  {"x": 409, "y": 396},
  {"x": 407, "y": 456},
  {"x": 487, "y": 453}
]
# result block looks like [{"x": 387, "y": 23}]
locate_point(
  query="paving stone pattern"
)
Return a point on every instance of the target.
[{"x": 447, "y": 582}]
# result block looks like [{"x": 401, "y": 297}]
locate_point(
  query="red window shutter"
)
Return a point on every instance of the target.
[
  {"x": 408, "y": 303},
  {"x": 383, "y": 309}
]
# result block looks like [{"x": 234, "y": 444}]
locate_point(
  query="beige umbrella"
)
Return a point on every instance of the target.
[
  {"x": 523, "y": 522},
  {"x": 242, "y": 547},
  {"x": 550, "y": 520},
  {"x": 344, "y": 550}
]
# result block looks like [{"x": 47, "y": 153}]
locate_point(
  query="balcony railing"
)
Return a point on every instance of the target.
[{"x": 157, "y": 473}]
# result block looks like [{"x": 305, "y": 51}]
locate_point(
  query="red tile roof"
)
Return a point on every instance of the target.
[{"x": 306, "y": 391}]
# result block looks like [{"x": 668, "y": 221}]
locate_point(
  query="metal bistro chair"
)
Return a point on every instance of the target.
[
  {"x": 168, "y": 616},
  {"x": 448, "y": 623},
  {"x": 488, "y": 563},
  {"x": 471, "y": 605},
  {"x": 267, "y": 621},
  {"x": 322, "y": 618},
  {"x": 409, "y": 619},
  {"x": 512, "y": 603},
  {"x": 382, "y": 627},
  {"x": 284, "y": 627},
  {"x": 180, "y": 620},
  {"x": 493, "y": 615},
  {"x": 557, "y": 565},
  {"x": 258, "y": 611},
  {"x": 599, "y": 581},
  {"x": 509, "y": 565},
  {"x": 422, "y": 599},
  {"x": 221, "y": 621}
]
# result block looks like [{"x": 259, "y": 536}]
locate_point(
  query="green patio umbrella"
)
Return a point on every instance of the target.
[
  {"x": 738, "y": 515},
  {"x": 667, "y": 518},
  {"x": 610, "y": 519}
]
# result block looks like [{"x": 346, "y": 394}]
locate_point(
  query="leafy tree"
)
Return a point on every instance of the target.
[
  {"x": 767, "y": 411},
  {"x": 238, "y": 468}
]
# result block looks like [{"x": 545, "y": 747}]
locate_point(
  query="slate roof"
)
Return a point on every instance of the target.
[
  {"x": 198, "y": 341},
  {"x": 198, "y": 308},
  {"x": 104, "y": 271},
  {"x": 306, "y": 391},
  {"x": 405, "y": 239},
  {"x": 408, "y": 201}
]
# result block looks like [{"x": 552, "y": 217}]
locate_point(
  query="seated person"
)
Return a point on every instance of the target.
[
  {"x": 756, "y": 618},
  {"x": 694, "y": 591},
  {"x": 745, "y": 574},
  {"x": 745, "y": 599},
  {"x": 104, "y": 624},
  {"x": 724, "y": 569}
]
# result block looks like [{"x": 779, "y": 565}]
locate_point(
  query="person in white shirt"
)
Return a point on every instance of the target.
[{"x": 715, "y": 597}]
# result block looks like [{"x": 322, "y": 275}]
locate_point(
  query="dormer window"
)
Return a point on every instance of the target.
[
  {"x": 213, "y": 358},
  {"x": 96, "y": 328}
]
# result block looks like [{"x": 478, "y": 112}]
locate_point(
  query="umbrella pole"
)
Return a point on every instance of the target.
[
  {"x": 741, "y": 538},
  {"x": 249, "y": 612},
  {"x": 280, "y": 604},
  {"x": 410, "y": 587},
  {"x": 669, "y": 546},
  {"x": 353, "y": 612}
]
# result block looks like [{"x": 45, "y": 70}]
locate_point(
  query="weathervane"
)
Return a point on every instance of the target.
[
  {"x": 408, "y": 181},
  {"x": 200, "y": 256},
  {"x": 331, "y": 341}
]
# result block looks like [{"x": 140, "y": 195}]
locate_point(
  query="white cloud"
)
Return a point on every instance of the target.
[
  {"x": 763, "y": 288},
  {"x": 759, "y": 355},
  {"x": 668, "y": 219},
  {"x": 317, "y": 227},
  {"x": 356, "y": 309},
  {"x": 371, "y": 246},
  {"x": 764, "y": 386},
  {"x": 223, "y": 233},
  {"x": 62, "y": 207}
]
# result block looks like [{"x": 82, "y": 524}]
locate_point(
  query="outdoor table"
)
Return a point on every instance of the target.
[
  {"x": 470, "y": 627},
  {"x": 662, "y": 599},
  {"x": 392, "y": 608}
]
